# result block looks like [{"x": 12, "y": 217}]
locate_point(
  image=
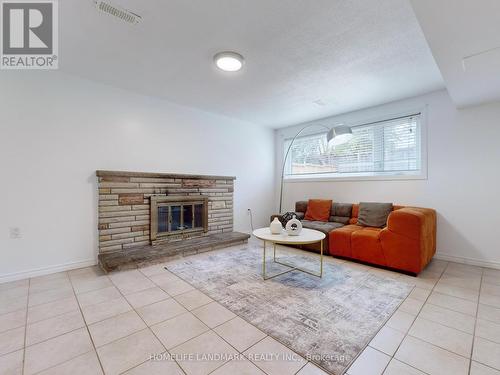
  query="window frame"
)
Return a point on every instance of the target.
[{"x": 364, "y": 176}]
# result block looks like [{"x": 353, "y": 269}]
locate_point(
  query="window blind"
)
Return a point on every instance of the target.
[{"x": 384, "y": 147}]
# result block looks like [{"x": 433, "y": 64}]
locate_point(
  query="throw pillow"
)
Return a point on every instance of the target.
[
  {"x": 301, "y": 206},
  {"x": 374, "y": 214},
  {"x": 343, "y": 209},
  {"x": 318, "y": 209},
  {"x": 341, "y": 213}
]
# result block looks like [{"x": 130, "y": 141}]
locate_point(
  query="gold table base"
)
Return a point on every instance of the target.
[{"x": 292, "y": 267}]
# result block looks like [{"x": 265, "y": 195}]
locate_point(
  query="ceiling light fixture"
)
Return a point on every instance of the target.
[{"x": 229, "y": 61}]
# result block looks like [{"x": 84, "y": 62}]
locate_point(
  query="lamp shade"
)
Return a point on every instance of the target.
[{"x": 339, "y": 135}]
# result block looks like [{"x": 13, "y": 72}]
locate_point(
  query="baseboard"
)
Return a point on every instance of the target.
[
  {"x": 465, "y": 260},
  {"x": 92, "y": 262},
  {"x": 46, "y": 270}
]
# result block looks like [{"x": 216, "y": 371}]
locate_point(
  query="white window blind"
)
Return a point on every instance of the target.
[{"x": 389, "y": 147}]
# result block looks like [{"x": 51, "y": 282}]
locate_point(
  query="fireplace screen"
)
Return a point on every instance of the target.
[{"x": 178, "y": 215}]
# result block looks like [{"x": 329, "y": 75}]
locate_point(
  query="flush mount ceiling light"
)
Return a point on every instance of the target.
[{"x": 228, "y": 61}]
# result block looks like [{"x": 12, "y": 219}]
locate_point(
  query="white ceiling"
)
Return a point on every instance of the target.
[
  {"x": 457, "y": 29},
  {"x": 347, "y": 54}
]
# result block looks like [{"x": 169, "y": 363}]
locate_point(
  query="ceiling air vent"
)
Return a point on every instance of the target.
[{"x": 118, "y": 12}]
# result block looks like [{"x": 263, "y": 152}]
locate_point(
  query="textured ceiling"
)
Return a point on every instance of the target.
[
  {"x": 304, "y": 59},
  {"x": 466, "y": 45}
]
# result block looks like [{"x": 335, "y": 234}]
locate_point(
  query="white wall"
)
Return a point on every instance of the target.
[
  {"x": 463, "y": 181},
  {"x": 56, "y": 130}
]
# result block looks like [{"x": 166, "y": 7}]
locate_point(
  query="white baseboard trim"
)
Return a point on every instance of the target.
[
  {"x": 470, "y": 261},
  {"x": 92, "y": 262},
  {"x": 46, "y": 270}
]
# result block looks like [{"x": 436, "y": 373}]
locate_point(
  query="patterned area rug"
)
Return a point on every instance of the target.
[{"x": 329, "y": 321}]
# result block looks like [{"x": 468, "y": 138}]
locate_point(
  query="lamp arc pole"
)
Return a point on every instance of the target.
[{"x": 329, "y": 137}]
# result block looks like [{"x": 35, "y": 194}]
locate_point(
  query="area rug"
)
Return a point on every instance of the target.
[{"x": 328, "y": 321}]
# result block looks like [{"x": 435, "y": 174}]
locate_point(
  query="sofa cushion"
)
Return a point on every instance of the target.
[
  {"x": 341, "y": 213},
  {"x": 322, "y": 226},
  {"x": 301, "y": 206},
  {"x": 339, "y": 219},
  {"x": 373, "y": 214},
  {"x": 366, "y": 246},
  {"x": 342, "y": 209},
  {"x": 355, "y": 211},
  {"x": 340, "y": 240},
  {"x": 318, "y": 209}
]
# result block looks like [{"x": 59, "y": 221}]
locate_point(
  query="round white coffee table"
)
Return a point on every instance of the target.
[{"x": 306, "y": 236}]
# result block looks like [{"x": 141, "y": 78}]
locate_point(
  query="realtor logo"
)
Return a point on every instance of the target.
[{"x": 29, "y": 34}]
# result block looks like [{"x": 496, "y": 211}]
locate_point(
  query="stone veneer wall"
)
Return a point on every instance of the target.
[{"x": 124, "y": 207}]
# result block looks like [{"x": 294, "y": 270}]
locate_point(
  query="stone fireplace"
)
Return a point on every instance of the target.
[{"x": 139, "y": 210}]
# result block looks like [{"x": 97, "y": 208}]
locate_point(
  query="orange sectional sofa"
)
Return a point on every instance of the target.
[{"x": 406, "y": 243}]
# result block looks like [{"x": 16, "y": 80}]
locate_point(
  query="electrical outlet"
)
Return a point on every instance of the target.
[{"x": 15, "y": 233}]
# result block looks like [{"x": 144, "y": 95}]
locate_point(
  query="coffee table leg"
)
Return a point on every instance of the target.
[
  {"x": 321, "y": 261},
  {"x": 292, "y": 267},
  {"x": 264, "y": 262}
]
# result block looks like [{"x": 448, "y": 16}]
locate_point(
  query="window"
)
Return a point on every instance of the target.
[{"x": 389, "y": 147}]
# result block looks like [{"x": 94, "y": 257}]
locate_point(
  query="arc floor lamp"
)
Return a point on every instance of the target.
[{"x": 335, "y": 136}]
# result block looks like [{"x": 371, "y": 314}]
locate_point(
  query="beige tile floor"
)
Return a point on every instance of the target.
[{"x": 85, "y": 322}]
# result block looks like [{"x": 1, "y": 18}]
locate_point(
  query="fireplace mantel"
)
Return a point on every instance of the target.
[{"x": 101, "y": 173}]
